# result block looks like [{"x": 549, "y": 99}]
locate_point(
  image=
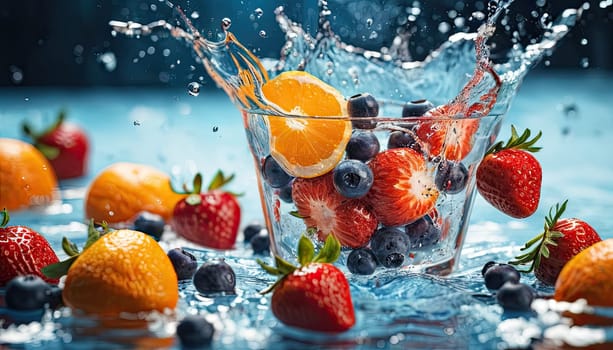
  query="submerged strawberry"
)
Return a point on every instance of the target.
[
  {"x": 321, "y": 207},
  {"x": 451, "y": 138},
  {"x": 211, "y": 218},
  {"x": 65, "y": 145},
  {"x": 314, "y": 296},
  {"x": 23, "y": 251},
  {"x": 403, "y": 189},
  {"x": 561, "y": 240},
  {"x": 509, "y": 177}
]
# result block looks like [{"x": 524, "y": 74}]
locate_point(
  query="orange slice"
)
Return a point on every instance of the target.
[{"x": 306, "y": 147}]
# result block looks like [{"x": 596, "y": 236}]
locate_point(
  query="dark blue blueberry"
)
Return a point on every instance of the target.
[
  {"x": 362, "y": 146},
  {"x": 362, "y": 261},
  {"x": 215, "y": 277},
  {"x": 352, "y": 178},
  {"x": 390, "y": 246},
  {"x": 251, "y": 230},
  {"x": 285, "y": 193},
  {"x": 416, "y": 108},
  {"x": 487, "y": 267},
  {"x": 54, "y": 297},
  {"x": 151, "y": 224},
  {"x": 185, "y": 263},
  {"x": 401, "y": 139},
  {"x": 195, "y": 332},
  {"x": 28, "y": 292},
  {"x": 363, "y": 106},
  {"x": 274, "y": 174},
  {"x": 423, "y": 232},
  {"x": 498, "y": 275},
  {"x": 515, "y": 296},
  {"x": 260, "y": 243},
  {"x": 451, "y": 177}
]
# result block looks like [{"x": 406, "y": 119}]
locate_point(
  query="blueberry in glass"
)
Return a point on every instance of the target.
[
  {"x": 274, "y": 174},
  {"x": 423, "y": 233},
  {"x": 451, "y": 177},
  {"x": 352, "y": 178},
  {"x": 416, "y": 108},
  {"x": 363, "y": 106},
  {"x": 400, "y": 139},
  {"x": 390, "y": 246},
  {"x": 363, "y": 145}
]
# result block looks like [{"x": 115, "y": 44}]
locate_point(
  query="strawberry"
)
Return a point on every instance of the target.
[
  {"x": 23, "y": 251},
  {"x": 65, "y": 145},
  {"x": 509, "y": 177},
  {"x": 324, "y": 209},
  {"x": 452, "y": 139},
  {"x": 211, "y": 218},
  {"x": 314, "y": 296},
  {"x": 403, "y": 189},
  {"x": 561, "y": 240}
]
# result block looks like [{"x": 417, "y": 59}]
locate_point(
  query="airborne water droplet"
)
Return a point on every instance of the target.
[
  {"x": 193, "y": 88},
  {"x": 258, "y": 12},
  {"x": 585, "y": 62},
  {"x": 263, "y": 34},
  {"x": 369, "y": 23},
  {"x": 195, "y": 15},
  {"x": 215, "y": 128},
  {"x": 226, "y": 23}
]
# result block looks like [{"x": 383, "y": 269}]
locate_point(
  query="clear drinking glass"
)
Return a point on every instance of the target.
[{"x": 450, "y": 213}]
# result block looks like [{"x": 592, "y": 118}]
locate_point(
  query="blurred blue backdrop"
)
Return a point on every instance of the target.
[{"x": 69, "y": 43}]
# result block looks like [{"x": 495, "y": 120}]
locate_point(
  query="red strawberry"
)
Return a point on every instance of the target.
[
  {"x": 65, "y": 145},
  {"x": 324, "y": 209},
  {"x": 452, "y": 139},
  {"x": 314, "y": 296},
  {"x": 509, "y": 177},
  {"x": 211, "y": 218},
  {"x": 403, "y": 189},
  {"x": 561, "y": 240},
  {"x": 23, "y": 252}
]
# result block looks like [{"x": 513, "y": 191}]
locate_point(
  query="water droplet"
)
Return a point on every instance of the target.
[
  {"x": 195, "y": 15},
  {"x": 369, "y": 23},
  {"x": 546, "y": 21},
  {"x": 262, "y": 34},
  {"x": 166, "y": 52},
  {"x": 444, "y": 27},
  {"x": 136, "y": 123},
  {"x": 150, "y": 50},
  {"x": 16, "y": 74},
  {"x": 605, "y": 3},
  {"x": 585, "y": 62},
  {"x": 584, "y": 41},
  {"x": 258, "y": 12},
  {"x": 373, "y": 35},
  {"x": 226, "y": 23},
  {"x": 193, "y": 88},
  {"x": 215, "y": 128},
  {"x": 26, "y": 99},
  {"x": 478, "y": 15},
  {"x": 541, "y": 3}
]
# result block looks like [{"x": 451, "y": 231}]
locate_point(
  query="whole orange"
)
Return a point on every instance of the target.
[
  {"x": 26, "y": 176},
  {"x": 122, "y": 190},
  {"x": 123, "y": 271},
  {"x": 588, "y": 275}
]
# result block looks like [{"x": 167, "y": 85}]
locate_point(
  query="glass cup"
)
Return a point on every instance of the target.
[{"x": 436, "y": 237}]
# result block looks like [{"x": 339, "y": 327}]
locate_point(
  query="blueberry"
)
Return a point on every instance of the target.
[
  {"x": 362, "y": 261},
  {"x": 285, "y": 193},
  {"x": 274, "y": 174},
  {"x": 185, "y": 263},
  {"x": 28, "y": 292},
  {"x": 251, "y": 230},
  {"x": 54, "y": 297},
  {"x": 401, "y": 139},
  {"x": 487, "y": 266},
  {"x": 151, "y": 224},
  {"x": 416, "y": 108},
  {"x": 390, "y": 246},
  {"x": 215, "y": 277},
  {"x": 362, "y": 145},
  {"x": 363, "y": 106},
  {"x": 423, "y": 232},
  {"x": 195, "y": 332},
  {"x": 451, "y": 177},
  {"x": 515, "y": 296},
  {"x": 497, "y": 275},
  {"x": 260, "y": 243},
  {"x": 352, "y": 178}
]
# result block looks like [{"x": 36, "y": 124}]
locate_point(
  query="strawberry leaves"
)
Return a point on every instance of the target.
[
  {"x": 5, "y": 218},
  {"x": 517, "y": 141},
  {"x": 538, "y": 246}
]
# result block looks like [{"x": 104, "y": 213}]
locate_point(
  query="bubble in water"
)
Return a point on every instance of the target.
[
  {"x": 369, "y": 22},
  {"x": 136, "y": 123},
  {"x": 585, "y": 62},
  {"x": 541, "y": 3},
  {"x": 258, "y": 12},
  {"x": 195, "y": 15},
  {"x": 492, "y": 6},
  {"x": 478, "y": 15},
  {"x": 226, "y": 23},
  {"x": 444, "y": 27},
  {"x": 584, "y": 41},
  {"x": 193, "y": 88},
  {"x": 605, "y": 3},
  {"x": 166, "y": 52},
  {"x": 546, "y": 21},
  {"x": 215, "y": 128},
  {"x": 108, "y": 60},
  {"x": 262, "y": 34},
  {"x": 16, "y": 74}
]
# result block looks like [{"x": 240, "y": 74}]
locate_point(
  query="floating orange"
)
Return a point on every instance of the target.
[
  {"x": 588, "y": 275},
  {"x": 26, "y": 176},
  {"x": 122, "y": 190},
  {"x": 307, "y": 147},
  {"x": 123, "y": 271}
]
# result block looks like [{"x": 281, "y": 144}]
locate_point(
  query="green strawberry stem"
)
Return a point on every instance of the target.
[
  {"x": 49, "y": 152},
  {"x": 329, "y": 253},
  {"x": 5, "y": 218},
  {"x": 61, "y": 268},
  {"x": 517, "y": 141},
  {"x": 537, "y": 247},
  {"x": 219, "y": 180}
]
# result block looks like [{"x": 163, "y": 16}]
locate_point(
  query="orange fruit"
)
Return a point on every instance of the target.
[
  {"x": 123, "y": 271},
  {"x": 306, "y": 147},
  {"x": 26, "y": 176},
  {"x": 588, "y": 275},
  {"x": 123, "y": 190}
]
